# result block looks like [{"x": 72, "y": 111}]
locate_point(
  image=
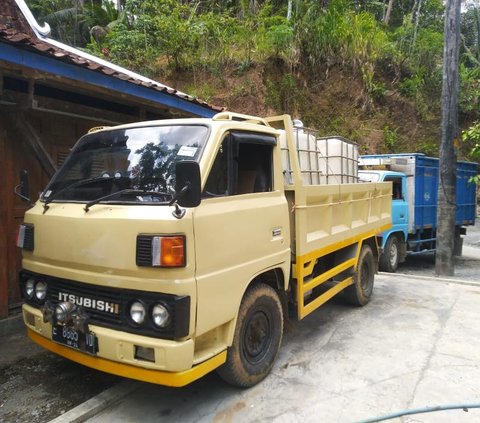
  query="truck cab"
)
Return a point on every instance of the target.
[{"x": 393, "y": 241}]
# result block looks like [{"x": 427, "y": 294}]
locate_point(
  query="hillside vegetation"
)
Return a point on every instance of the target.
[{"x": 366, "y": 69}]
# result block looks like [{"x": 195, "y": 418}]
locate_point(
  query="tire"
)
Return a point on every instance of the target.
[
  {"x": 257, "y": 338},
  {"x": 360, "y": 292},
  {"x": 458, "y": 246},
  {"x": 391, "y": 255}
]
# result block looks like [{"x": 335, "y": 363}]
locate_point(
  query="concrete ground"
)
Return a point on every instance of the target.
[
  {"x": 35, "y": 385},
  {"x": 416, "y": 344}
]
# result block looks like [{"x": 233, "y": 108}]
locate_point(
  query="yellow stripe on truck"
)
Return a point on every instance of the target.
[{"x": 177, "y": 379}]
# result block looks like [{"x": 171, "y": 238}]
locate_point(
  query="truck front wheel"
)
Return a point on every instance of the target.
[
  {"x": 360, "y": 292},
  {"x": 257, "y": 338},
  {"x": 390, "y": 257}
]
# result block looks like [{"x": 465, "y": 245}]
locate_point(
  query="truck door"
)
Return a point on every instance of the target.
[
  {"x": 241, "y": 226},
  {"x": 399, "y": 204}
]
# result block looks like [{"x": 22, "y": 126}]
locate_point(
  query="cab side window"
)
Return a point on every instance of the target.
[
  {"x": 397, "y": 193},
  {"x": 243, "y": 165},
  {"x": 254, "y": 168},
  {"x": 217, "y": 182}
]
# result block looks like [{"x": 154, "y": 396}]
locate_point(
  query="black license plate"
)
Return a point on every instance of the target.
[{"x": 72, "y": 338}]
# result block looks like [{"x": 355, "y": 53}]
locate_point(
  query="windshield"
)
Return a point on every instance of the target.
[{"x": 135, "y": 159}]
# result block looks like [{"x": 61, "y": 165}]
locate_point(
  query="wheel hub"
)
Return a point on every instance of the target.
[
  {"x": 257, "y": 335},
  {"x": 393, "y": 254}
]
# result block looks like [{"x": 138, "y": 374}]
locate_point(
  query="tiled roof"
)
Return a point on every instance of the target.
[{"x": 16, "y": 30}]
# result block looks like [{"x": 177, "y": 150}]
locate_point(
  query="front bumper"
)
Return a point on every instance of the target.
[{"x": 116, "y": 350}]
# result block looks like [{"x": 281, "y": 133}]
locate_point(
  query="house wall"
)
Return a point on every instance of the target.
[{"x": 57, "y": 134}]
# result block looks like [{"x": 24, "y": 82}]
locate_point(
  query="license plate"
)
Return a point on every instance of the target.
[{"x": 72, "y": 338}]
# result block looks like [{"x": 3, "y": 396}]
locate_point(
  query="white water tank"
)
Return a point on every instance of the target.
[
  {"x": 329, "y": 160},
  {"x": 338, "y": 160}
]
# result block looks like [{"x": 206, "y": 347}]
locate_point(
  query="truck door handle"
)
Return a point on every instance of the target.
[{"x": 402, "y": 215}]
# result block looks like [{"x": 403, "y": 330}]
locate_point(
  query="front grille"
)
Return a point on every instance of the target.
[
  {"x": 144, "y": 250},
  {"x": 57, "y": 286},
  {"x": 118, "y": 299},
  {"x": 28, "y": 240}
]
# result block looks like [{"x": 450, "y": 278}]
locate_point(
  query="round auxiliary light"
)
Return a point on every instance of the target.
[
  {"x": 41, "y": 290},
  {"x": 30, "y": 288},
  {"x": 60, "y": 314},
  {"x": 63, "y": 312},
  {"x": 160, "y": 316},
  {"x": 137, "y": 312}
]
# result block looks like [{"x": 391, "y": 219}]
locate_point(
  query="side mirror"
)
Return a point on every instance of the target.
[
  {"x": 23, "y": 188},
  {"x": 188, "y": 184},
  {"x": 24, "y": 185}
]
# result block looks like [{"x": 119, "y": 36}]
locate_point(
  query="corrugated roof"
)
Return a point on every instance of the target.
[{"x": 17, "y": 31}]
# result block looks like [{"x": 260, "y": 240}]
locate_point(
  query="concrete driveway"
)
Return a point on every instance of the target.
[{"x": 417, "y": 344}]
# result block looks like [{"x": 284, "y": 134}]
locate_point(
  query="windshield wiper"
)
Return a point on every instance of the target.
[
  {"x": 125, "y": 191},
  {"x": 73, "y": 185}
]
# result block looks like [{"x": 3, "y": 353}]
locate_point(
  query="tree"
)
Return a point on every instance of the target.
[
  {"x": 71, "y": 21},
  {"x": 471, "y": 34},
  {"x": 388, "y": 12},
  {"x": 417, "y": 6},
  {"x": 444, "y": 262}
]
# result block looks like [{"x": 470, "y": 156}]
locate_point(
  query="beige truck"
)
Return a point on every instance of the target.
[{"x": 163, "y": 250}]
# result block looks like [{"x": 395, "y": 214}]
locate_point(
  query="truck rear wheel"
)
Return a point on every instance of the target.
[
  {"x": 391, "y": 255},
  {"x": 257, "y": 338},
  {"x": 360, "y": 292},
  {"x": 458, "y": 246}
]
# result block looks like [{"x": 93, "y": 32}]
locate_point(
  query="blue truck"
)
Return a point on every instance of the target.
[{"x": 414, "y": 180}]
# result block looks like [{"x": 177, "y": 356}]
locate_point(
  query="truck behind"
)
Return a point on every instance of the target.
[{"x": 414, "y": 179}]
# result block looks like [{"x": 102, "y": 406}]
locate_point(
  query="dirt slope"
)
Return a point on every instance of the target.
[{"x": 334, "y": 102}]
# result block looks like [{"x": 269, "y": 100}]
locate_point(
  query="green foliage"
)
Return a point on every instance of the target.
[
  {"x": 278, "y": 40},
  {"x": 338, "y": 35},
  {"x": 130, "y": 48},
  {"x": 244, "y": 89},
  {"x": 410, "y": 87},
  {"x": 283, "y": 95},
  {"x": 375, "y": 89},
  {"x": 104, "y": 14},
  {"x": 428, "y": 147},
  {"x": 71, "y": 21},
  {"x": 470, "y": 90},
  {"x": 420, "y": 53},
  {"x": 472, "y": 137},
  {"x": 332, "y": 123},
  {"x": 432, "y": 15},
  {"x": 159, "y": 36},
  {"x": 390, "y": 136},
  {"x": 428, "y": 51},
  {"x": 470, "y": 27}
]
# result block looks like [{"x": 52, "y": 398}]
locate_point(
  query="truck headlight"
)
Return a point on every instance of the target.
[
  {"x": 160, "y": 316},
  {"x": 41, "y": 290},
  {"x": 137, "y": 312},
  {"x": 29, "y": 288}
]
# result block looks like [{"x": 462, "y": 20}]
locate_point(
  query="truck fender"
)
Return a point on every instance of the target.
[
  {"x": 275, "y": 278},
  {"x": 373, "y": 243}
]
